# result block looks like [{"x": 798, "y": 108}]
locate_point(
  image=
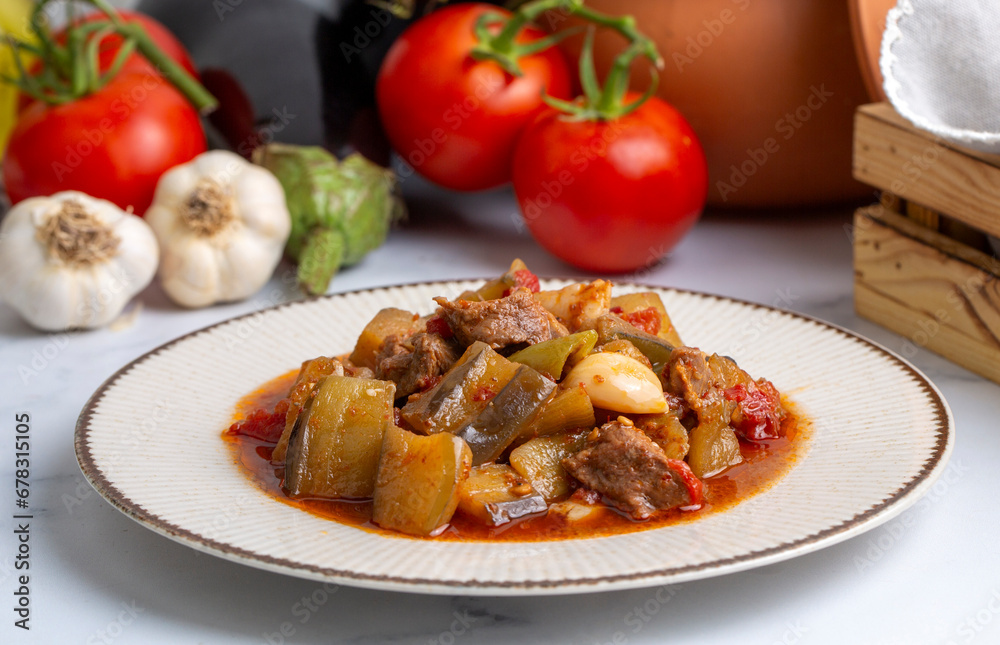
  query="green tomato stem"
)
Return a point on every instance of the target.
[
  {"x": 72, "y": 70},
  {"x": 598, "y": 103}
]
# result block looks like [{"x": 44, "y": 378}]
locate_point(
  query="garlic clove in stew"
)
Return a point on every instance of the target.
[
  {"x": 222, "y": 224},
  {"x": 619, "y": 383},
  {"x": 70, "y": 261}
]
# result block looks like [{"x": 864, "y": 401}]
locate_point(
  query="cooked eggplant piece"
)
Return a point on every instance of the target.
[
  {"x": 387, "y": 322},
  {"x": 569, "y": 408},
  {"x": 311, "y": 373},
  {"x": 666, "y": 431},
  {"x": 418, "y": 480},
  {"x": 463, "y": 392},
  {"x": 333, "y": 450},
  {"x": 656, "y": 349},
  {"x": 553, "y": 357},
  {"x": 540, "y": 462},
  {"x": 495, "y": 494},
  {"x": 714, "y": 446},
  {"x": 507, "y": 415},
  {"x": 630, "y": 303}
]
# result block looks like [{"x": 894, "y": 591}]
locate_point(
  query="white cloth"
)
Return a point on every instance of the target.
[{"x": 941, "y": 64}]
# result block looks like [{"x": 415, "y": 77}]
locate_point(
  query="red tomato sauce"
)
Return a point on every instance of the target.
[{"x": 763, "y": 465}]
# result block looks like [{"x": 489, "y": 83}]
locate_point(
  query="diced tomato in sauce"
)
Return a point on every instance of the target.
[
  {"x": 647, "y": 320},
  {"x": 527, "y": 279},
  {"x": 438, "y": 325},
  {"x": 694, "y": 485},
  {"x": 263, "y": 424},
  {"x": 759, "y": 415}
]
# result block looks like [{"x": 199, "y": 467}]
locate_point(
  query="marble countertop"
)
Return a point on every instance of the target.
[{"x": 931, "y": 575}]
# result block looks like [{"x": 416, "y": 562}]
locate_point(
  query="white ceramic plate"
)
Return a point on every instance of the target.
[{"x": 149, "y": 440}]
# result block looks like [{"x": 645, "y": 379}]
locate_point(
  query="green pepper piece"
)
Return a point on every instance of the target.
[{"x": 553, "y": 357}]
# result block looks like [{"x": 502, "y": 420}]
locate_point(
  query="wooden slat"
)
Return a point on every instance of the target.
[
  {"x": 892, "y": 154},
  {"x": 934, "y": 297},
  {"x": 923, "y": 215}
]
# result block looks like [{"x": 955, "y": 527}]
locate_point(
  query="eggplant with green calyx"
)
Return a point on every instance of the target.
[
  {"x": 507, "y": 414},
  {"x": 333, "y": 449},
  {"x": 555, "y": 356},
  {"x": 463, "y": 392},
  {"x": 417, "y": 489},
  {"x": 340, "y": 210},
  {"x": 496, "y": 494}
]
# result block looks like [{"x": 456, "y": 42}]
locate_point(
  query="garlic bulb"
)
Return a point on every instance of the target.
[
  {"x": 72, "y": 261},
  {"x": 618, "y": 382},
  {"x": 222, "y": 224}
]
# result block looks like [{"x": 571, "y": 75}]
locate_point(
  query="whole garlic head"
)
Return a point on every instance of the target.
[
  {"x": 222, "y": 224},
  {"x": 71, "y": 261}
]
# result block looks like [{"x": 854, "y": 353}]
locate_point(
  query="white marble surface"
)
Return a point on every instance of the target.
[{"x": 931, "y": 575}]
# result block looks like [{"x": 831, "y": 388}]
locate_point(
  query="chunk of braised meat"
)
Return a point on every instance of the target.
[
  {"x": 414, "y": 363},
  {"x": 510, "y": 320},
  {"x": 632, "y": 471},
  {"x": 715, "y": 386}
]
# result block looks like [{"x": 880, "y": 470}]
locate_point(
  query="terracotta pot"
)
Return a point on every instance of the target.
[{"x": 770, "y": 87}]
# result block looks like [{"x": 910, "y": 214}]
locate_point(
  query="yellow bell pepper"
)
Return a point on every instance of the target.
[{"x": 15, "y": 16}]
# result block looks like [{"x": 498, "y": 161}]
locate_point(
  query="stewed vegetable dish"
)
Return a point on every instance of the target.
[{"x": 519, "y": 412}]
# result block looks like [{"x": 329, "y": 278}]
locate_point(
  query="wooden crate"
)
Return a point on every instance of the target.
[{"x": 922, "y": 263}]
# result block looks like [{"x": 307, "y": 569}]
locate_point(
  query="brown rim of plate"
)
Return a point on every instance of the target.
[{"x": 571, "y": 585}]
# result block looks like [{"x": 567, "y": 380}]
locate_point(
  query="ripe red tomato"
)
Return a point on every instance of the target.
[
  {"x": 454, "y": 119},
  {"x": 611, "y": 196},
  {"x": 112, "y": 144}
]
